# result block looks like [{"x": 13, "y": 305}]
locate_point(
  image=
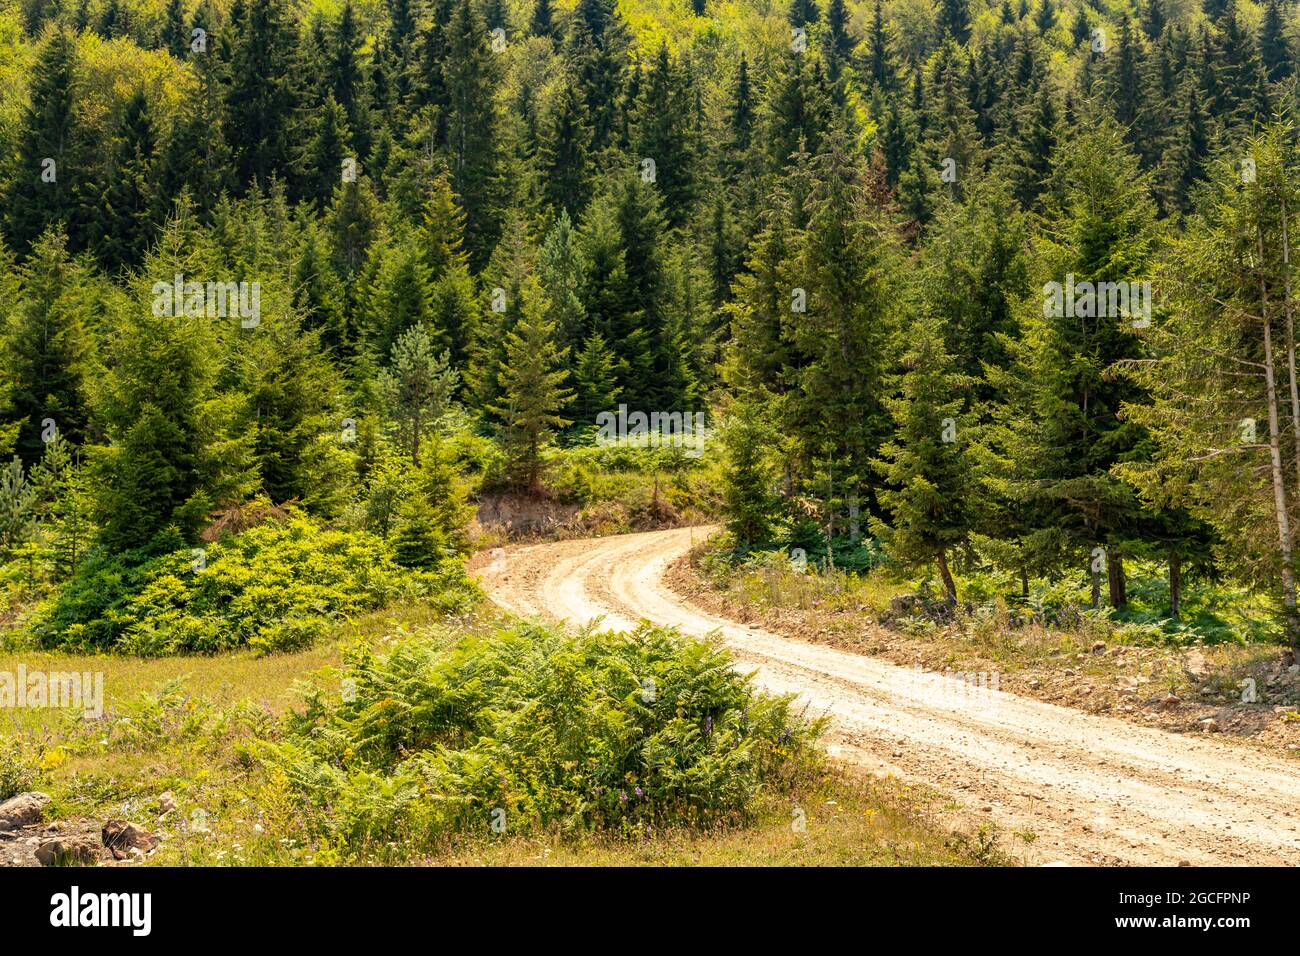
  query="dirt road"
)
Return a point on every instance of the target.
[{"x": 1089, "y": 789}]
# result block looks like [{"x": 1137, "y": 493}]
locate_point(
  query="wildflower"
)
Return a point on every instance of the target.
[
  {"x": 622, "y": 796},
  {"x": 639, "y": 792}
]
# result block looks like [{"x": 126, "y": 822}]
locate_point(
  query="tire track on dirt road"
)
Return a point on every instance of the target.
[{"x": 1090, "y": 789}]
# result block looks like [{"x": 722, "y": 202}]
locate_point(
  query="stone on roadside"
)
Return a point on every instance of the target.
[
  {"x": 68, "y": 851},
  {"x": 122, "y": 838},
  {"x": 22, "y": 810}
]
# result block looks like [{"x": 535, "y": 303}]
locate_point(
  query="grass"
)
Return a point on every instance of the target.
[
  {"x": 848, "y": 820},
  {"x": 192, "y": 720}
]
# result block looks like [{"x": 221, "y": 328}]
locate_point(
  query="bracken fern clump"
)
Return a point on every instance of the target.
[{"x": 531, "y": 728}]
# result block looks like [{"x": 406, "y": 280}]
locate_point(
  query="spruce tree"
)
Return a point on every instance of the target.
[
  {"x": 749, "y": 505},
  {"x": 48, "y": 164},
  {"x": 417, "y": 387},
  {"x": 470, "y": 75},
  {"x": 263, "y": 98},
  {"x": 926, "y": 473},
  {"x": 533, "y": 393},
  {"x": 1062, "y": 429},
  {"x": 47, "y": 348}
]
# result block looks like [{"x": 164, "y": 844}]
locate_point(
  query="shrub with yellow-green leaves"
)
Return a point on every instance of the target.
[{"x": 277, "y": 586}]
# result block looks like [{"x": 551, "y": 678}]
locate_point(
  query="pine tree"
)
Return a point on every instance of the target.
[
  {"x": 195, "y": 157},
  {"x": 837, "y": 30},
  {"x": 48, "y": 161},
  {"x": 880, "y": 64},
  {"x": 1274, "y": 47},
  {"x": 954, "y": 19},
  {"x": 542, "y": 24},
  {"x": 129, "y": 210},
  {"x": 442, "y": 228},
  {"x": 470, "y": 75},
  {"x": 532, "y": 388},
  {"x": 175, "y": 34},
  {"x": 318, "y": 291},
  {"x": 1186, "y": 156},
  {"x": 418, "y": 386},
  {"x": 563, "y": 154},
  {"x": 17, "y": 508},
  {"x": 175, "y": 452},
  {"x": 1062, "y": 429},
  {"x": 923, "y": 465},
  {"x": 345, "y": 77},
  {"x": 560, "y": 271},
  {"x": 47, "y": 350},
  {"x": 596, "y": 373},
  {"x": 596, "y": 45},
  {"x": 802, "y": 13},
  {"x": 1046, "y": 18},
  {"x": 796, "y": 111},
  {"x": 1221, "y": 398},
  {"x": 353, "y": 219},
  {"x": 971, "y": 271},
  {"x": 324, "y": 152},
  {"x": 60, "y": 487},
  {"x": 843, "y": 260},
  {"x": 1153, "y": 19},
  {"x": 748, "y": 503},
  {"x": 263, "y": 97},
  {"x": 663, "y": 135},
  {"x": 1124, "y": 83}
]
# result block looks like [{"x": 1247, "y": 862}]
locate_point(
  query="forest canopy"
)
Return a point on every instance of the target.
[{"x": 999, "y": 283}]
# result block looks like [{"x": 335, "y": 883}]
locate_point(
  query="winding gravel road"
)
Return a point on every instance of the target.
[{"x": 1091, "y": 790}]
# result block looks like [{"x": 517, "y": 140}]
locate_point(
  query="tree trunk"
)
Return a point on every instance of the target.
[
  {"x": 416, "y": 427},
  {"x": 1292, "y": 620},
  {"x": 1290, "y": 341},
  {"x": 1175, "y": 584},
  {"x": 949, "y": 585},
  {"x": 1024, "y": 584},
  {"x": 1115, "y": 580},
  {"x": 1096, "y": 584},
  {"x": 830, "y": 514}
]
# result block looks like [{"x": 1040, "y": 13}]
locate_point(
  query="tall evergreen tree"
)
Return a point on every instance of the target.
[
  {"x": 532, "y": 389},
  {"x": 47, "y": 162},
  {"x": 47, "y": 348}
]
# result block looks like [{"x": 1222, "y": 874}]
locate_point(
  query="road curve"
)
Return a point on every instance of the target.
[{"x": 1089, "y": 789}]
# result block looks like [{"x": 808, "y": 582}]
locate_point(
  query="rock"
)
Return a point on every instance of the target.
[
  {"x": 1170, "y": 700},
  {"x": 68, "y": 851},
  {"x": 1209, "y": 725},
  {"x": 1099, "y": 647},
  {"x": 124, "y": 839},
  {"x": 1034, "y": 683},
  {"x": 22, "y": 810},
  {"x": 1196, "y": 665},
  {"x": 167, "y": 802}
]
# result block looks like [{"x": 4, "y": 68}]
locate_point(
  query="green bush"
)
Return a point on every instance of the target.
[
  {"x": 18, "y": 769},
  {"x": 530, "y": 728},
  {"x": 276, "y": 586}
]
